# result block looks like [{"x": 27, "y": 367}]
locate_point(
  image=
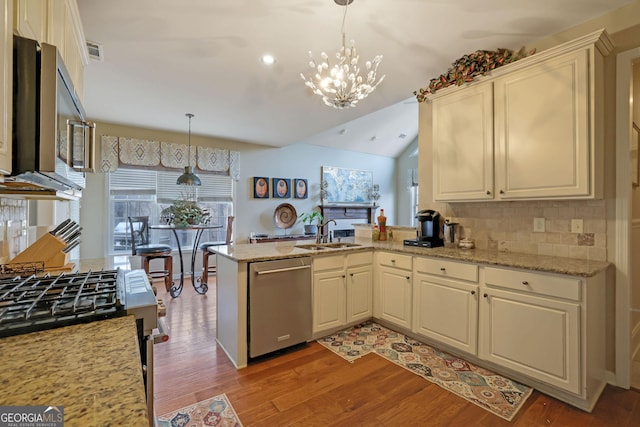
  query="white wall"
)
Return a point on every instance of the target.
[{"x": 294, "y": 161}]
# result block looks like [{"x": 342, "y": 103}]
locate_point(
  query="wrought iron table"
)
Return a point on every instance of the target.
[{"x": 176, "y": 290}]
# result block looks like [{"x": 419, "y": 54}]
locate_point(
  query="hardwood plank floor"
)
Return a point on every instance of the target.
[{"x": 311, "y": 386}]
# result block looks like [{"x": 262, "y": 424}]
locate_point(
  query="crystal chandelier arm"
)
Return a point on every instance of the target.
[{"x": 341, "y": 85}]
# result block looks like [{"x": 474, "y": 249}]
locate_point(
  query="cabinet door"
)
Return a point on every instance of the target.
[
  {"x": 328, "y": 300},
  {"x": 6, "y": 88},
  {"x": 31, "y": 19},
  {"x": 542, "y": 130},
  {"x": 463, "y": 144},
  {"x": 446, "y": 311},
  {"x": 538, "y": 337},
  {"x": 359, "y": 300},
  {"x": 395, "y": 296}
]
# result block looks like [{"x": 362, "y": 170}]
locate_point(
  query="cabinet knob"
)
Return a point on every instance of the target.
[
  {"x": 524, "y": 282},
  {"x": 485, "y": 295},
  {"x": 501, "y": 191},
  {"x": 443, "y": 269},
  {"x": 408, "y": 277},
  {"x": 488, "y": 193},
  {"x": 393, "y": 261},
  {"x": 351, "y": 274},
  {"x": 473, "y": 292}
]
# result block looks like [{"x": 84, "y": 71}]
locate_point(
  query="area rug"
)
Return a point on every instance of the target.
[
  {"x": 497, "y": 394},
  {"x": 216, "y": 411}
]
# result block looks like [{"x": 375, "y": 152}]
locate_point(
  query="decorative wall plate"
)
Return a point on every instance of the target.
[{"x": 285, "y": 215}]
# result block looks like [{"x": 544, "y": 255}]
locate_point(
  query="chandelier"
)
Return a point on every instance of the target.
[
  {"x": 188, "y": 177},
  {"x": 341, "y": 85}
]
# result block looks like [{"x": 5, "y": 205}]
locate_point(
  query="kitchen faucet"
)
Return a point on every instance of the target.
[{"x": 320, "y": 227}]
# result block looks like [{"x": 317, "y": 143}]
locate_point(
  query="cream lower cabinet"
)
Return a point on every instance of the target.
[
  {"x": 393, "y": 288},
  {"x": 547, "y": 327},
  {"x": 342, "y": 293},
  {"x": 445, "y": 302}
]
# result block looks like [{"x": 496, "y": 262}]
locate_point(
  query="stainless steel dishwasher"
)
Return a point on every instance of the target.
[{"x": 279, "y": 304}]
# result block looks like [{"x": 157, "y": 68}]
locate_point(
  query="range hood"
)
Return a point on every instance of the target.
[{"x": 36, "y": 186}]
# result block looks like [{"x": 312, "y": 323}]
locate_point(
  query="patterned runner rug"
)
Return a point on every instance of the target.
[
  {"x": 497, "y": 394},
  {"x": 216, "y": 411}
]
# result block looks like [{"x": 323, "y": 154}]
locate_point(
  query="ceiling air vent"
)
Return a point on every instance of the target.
[{"x": 95, "y": 51}]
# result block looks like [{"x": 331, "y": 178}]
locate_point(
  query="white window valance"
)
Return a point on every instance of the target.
[{"x": 132, "y": 152}]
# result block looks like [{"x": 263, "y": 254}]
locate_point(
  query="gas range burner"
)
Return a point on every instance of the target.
[
  {"x": 423, "y": 243},
  {"x": 34, "y": 303}
]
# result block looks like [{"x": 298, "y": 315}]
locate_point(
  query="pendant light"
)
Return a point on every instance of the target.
[{"x": 188, "y": 177}]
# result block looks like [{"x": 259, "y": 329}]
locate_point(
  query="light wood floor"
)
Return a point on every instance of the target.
[{"x": 314, "y": 387}]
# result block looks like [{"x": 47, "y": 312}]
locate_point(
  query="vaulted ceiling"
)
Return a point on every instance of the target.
[{"x": 164, "y": 58}]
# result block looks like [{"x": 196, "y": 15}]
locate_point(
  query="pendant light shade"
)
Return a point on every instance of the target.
[{"x": 188, "y": 177}]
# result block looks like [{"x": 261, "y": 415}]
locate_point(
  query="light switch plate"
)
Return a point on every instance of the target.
[
  {"x": 576, "y": 226},
  {"x": 538, "y": 225}
]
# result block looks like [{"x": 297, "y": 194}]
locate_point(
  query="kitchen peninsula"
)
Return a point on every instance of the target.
[{"x": 538, "y": 319}]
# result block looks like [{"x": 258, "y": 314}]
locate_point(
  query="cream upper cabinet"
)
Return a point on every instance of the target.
[
  {"x": 56, "y": 22},
  {"x": 67, "y": 34},
  {"x": 463, "y": 144},
  {"x": 6, "y": 88},
  {"x": 30, "y": 19},
  {"x": 542, "y": 124},
  {"x": 532, "y": 130}
]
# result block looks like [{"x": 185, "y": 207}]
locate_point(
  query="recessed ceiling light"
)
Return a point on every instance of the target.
[
  {"x": 267, "y": 59},
  {"x": 402, "y": 135},
  {"x": 342, "y": 131}
]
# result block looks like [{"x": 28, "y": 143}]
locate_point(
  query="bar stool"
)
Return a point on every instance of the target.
[
  {"x": 204, "y": 247},
  {"x": 139, "y": 226}
]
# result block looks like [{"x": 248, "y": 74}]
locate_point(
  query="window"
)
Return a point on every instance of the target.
[
  {"x": 414, "y": 195},
  {"x": 140, "y": 192}
]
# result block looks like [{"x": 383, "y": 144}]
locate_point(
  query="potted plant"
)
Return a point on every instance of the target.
[
  {"x": 308, "y": 218},
  {"x": 184, "y": 212}
]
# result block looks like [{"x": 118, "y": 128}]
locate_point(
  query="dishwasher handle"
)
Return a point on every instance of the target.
[{"x": 282, "y": 270}]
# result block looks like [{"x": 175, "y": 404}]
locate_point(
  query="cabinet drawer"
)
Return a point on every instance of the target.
[
  {"x": 394, "y": 260},
  {"x": 539, "y": 283},
  {"x": 451, "y": 269},
  {"x": 328, "y": 262},
  {"x": 359, "y": 258}
]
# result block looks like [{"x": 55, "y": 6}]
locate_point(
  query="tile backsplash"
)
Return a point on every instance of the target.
[
  {"x": 508, "y": 226},
  {"x": 13, "y": 217}
]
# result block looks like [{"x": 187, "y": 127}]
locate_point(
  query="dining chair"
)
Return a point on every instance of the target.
[
  {"x": 140, "y": 246},
  {"x": 204, "y": 247}
]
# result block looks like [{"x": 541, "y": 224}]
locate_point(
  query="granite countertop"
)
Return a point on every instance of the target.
[
  {"x": 92, "y": 369},
  {"x": 544, "y": 263}
]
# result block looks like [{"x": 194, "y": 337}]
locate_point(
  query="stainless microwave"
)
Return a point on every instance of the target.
[{"x": 53, "y": 143}]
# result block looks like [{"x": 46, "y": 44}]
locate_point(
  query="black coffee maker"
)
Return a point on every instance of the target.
[{"x": 429, "y": 230}]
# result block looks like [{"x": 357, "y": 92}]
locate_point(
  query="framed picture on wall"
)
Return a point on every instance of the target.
[
  {"x": 281, "y": 188},
  {"x": 260, "y": 187},
  {"x": 301, "y": 189}
]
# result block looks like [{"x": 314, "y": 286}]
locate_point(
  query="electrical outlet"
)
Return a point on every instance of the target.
[
  {"x": 538, "y": 225},
  {"x": 576, "y": 226}
]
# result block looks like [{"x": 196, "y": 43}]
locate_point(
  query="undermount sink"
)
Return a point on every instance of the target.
[
  {"x": 311, "y": 247},
  {"x": 338, "y": 245},
  {"x": 322, "y": 246}
]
